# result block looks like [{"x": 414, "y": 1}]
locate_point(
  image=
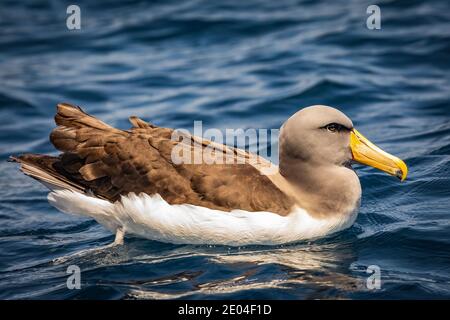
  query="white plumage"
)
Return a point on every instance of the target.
[{"x": 153, "y": 218}]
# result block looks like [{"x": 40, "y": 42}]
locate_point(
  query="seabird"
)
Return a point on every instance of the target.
[{"x": 128, "y": 181}]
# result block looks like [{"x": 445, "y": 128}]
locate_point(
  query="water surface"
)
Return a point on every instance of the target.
[{"x": 231, "y": 64}]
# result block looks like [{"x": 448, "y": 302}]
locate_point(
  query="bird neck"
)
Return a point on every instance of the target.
[{"x": 323, "y": 190}]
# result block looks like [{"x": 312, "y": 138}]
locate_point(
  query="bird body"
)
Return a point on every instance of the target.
[{"x": 130, "y": 182}]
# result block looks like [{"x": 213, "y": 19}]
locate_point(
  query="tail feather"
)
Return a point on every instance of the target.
[
  {"x": 40, "y": 167},
  {"x": 81, "y": 138}
]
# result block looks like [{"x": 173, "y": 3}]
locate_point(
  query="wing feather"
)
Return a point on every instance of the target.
[{"x": 112, "y": 162}]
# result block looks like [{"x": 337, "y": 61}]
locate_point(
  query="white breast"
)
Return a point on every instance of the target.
[{"x": 153, "y": 218}]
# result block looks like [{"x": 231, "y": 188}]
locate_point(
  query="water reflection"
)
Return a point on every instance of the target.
[{"x": 319, "y": 267}]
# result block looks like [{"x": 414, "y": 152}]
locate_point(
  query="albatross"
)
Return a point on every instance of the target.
[{"x": 127, "y": 180}]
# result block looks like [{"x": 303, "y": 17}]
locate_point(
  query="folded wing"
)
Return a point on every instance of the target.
[{"x": 109, "y": 162}]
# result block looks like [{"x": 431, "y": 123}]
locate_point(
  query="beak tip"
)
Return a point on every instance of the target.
[{"x": 402, "y": 173}]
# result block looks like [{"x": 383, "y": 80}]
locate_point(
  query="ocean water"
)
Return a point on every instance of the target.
[{"x": 231, "y": 64}]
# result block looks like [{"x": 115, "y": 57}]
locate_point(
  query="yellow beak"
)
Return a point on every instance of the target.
[{"x": 367, "y": 153}]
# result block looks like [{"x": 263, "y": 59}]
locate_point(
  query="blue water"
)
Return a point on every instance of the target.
[{"x": 231, "y": 64}]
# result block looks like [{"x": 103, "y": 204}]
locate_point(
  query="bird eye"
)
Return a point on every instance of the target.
[{"x": 332, "y": 127}]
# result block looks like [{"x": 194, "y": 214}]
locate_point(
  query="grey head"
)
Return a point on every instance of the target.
[
  {"x": 317, "y": 146},
  {"x": 319, "y": 135}
]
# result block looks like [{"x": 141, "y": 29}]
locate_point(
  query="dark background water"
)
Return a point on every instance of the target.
[{"x": 231, "y": 64}]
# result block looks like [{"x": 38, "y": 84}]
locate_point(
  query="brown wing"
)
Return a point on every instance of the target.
[{"x": 112, "y": 162}]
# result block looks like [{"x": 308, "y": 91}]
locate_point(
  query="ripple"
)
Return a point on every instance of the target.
[{"x": 231, "y": 64}]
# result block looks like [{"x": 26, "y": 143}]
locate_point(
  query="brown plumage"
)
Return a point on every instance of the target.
[{"x": 109, "y": 162}]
